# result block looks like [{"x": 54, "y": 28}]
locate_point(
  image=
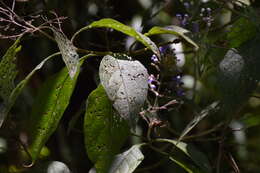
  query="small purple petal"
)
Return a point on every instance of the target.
[
  {"x": 152, "y": 86},
  {"x": 154, "y": 58}
]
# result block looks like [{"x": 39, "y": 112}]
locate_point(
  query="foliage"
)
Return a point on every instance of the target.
[{"x": 175, "y": 91}]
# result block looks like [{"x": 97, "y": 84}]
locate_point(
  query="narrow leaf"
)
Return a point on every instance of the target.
[
  {"x": 186, "y": 166},
  {"x": 198, "y": 157},
  {"x": 126, "y": 85},
  {"x": 8, "y": 73},
  {"x": 128, "y": 161},
  {"x": 111, "y": 23},
  {"x": 18, "y": 89},
  {"x": 104, "y": 131},
  {"x": 50, "y": 104},
  {"x": 198, "y": 118},
  {"x": 68, "y": 52},
  {"x": 8, "y": 70},
  {"x": 4, "y": 110},
  {"x": 174, "y": 30}
]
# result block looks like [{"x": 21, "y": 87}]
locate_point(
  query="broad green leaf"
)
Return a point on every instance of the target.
[
  {"x": 174, "y": 30},
  {"x": 198, "y": 118},
  {"x": 241, "y": 31},
  {"x": 128, "y": 161},
  {"x": 104, "y": 130},
  {"x": 8, "y": 70},
  {"x": 48, "y": 108},
  {"x": 126, "y": 85},
  {"x": 198, "y": 157},
  {"x": 4, "y": 110},
  {"x": 111, "y": 23},
  {"x": 68, "y": 52}
]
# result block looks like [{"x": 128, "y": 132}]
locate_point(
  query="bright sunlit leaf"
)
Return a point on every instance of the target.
[{"x": 125, "y": 82}]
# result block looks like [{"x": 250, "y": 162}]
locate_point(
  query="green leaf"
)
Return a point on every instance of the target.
[
  {"x": 241, "y": 31},
  {"x": 128, "y": 161},
  {"x": 185, "y": 165},
  {"x": 198, "y": 157},
  {"x": 126, "y": 85},
  {"x": 174, "y": 30},
  {"x": 205, "y": 112},
  {"x": 8, "y": 70},
  {"x": 48, "y": 108},
  {"x": 111, "y": 23},
  {"x": 8, "y": 73},
  {"x": 104, "y": 130},
  {"x": 68, "y": 52},
  {"x": 4, "y": 110}
]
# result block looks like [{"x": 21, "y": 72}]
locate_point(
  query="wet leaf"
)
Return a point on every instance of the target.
[
  {"x": 104, "y": 130},
  {"x": 126, "y": 85}
]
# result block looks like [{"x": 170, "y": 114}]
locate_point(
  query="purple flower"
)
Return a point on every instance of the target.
[
  {"x": 151, "y": 79},
  {"x": 205, "y": 13},
  {"x": 154, "y": 58},
  {"x": 152, "y": 82},
  {"x": 177, "y": 85},
  {"x": 177, "y": 80},
  {"x": 166, "y": 50},
  {"x": 183, "y": 19},
  {"x": 179, "y": 16}
]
